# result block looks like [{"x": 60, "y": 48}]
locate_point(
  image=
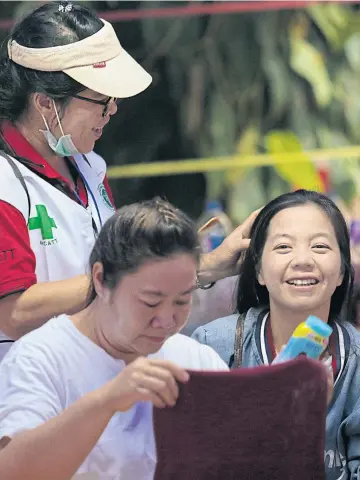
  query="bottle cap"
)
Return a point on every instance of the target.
[
  {"x": 213, "y": 205},
  {"x": 319, "y": 327}
]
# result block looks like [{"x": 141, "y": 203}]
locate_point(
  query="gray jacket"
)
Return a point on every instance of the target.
[{"x": 342, "y": 454}]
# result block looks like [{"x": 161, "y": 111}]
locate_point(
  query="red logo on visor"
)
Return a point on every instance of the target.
[{"x": 99, "y": 65}]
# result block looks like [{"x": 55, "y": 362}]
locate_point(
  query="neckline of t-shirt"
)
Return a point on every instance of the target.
[{"x": 113, "y": 362}]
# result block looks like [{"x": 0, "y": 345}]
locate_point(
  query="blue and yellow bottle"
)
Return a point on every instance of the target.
[{"x": 310, "y": 338}]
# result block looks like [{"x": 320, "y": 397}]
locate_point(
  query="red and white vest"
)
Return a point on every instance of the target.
[{"x": 61, "y": 230}]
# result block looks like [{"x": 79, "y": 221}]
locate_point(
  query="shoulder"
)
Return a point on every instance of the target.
[
  {"x": 189, "y": 354},
  {"x": 11, "y": 189},
  {"x": 349, "y": 340},
  {"x": 31, "y": 382},
  {"x": 11, "y": 215},
  {"x": 94, "y": 161},
  {"x": 32, "y": 363},
  {"x": 225, "y": 327},
  {"x": 220, "y": 327},
  {"x": 353, "y": 332},
  {"x": 220, "y": 334},
  {"x": 351, "y": 348},
  {"x": 348, "y": 353},
  {"x": 348, "y": 350},
  {"x": 40, "y": 345}
]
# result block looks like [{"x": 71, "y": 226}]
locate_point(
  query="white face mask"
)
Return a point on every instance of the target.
[{"x": 64, "y": 147}]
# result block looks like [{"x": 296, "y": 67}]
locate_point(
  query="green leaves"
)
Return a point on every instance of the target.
[
  {"x": 301, "y": 175},
  {"x": 333, "y": 20},
  {"x": 309, "y": 63},
  {"x": 336, "y": 22},
  {"x": 268, "y": 81}
]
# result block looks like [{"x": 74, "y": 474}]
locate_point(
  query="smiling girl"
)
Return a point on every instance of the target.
[{"x": 298, "y": 264}]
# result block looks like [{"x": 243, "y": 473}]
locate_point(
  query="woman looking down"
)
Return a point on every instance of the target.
[{"x": 83, "y": 386}]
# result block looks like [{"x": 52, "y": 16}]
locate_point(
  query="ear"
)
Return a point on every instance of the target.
[
  {"x": 340, "y": 280},
  {"x": 260, "y": 277},
  {"x": 43, "y": 104},
  {"x": 98, "y": 277}
]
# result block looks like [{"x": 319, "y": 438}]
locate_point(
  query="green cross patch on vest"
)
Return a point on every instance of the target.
[{"x": 43, "y": 222}]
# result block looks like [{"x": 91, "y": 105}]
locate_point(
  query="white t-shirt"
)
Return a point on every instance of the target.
[{"x": 55, "y": 365}]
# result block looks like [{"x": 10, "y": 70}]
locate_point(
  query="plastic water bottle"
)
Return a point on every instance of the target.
[
  {"x": 215, "y": 234},
  {"x": 310, "y": 338}
]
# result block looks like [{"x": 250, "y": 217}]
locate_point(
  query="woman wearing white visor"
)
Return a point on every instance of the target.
[{"x": 59, "y": 83}]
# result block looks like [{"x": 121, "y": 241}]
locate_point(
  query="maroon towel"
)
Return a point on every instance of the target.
[{"x": 255, "y": 423}]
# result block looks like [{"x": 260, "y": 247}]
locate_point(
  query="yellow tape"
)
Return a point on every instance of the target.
[{"x": 227, "y": 162}]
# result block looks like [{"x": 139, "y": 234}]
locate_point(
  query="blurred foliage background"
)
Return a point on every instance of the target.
[{"x": 277, "y": 81}]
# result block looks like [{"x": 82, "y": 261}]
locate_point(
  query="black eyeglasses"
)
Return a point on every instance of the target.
[{"x": 106, "y": 103}]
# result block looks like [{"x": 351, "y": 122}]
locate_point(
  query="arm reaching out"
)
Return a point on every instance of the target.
[
  {"x": 57, "y": 448},
  {"x": 22, "y": 312},
  {"x": 221, "y": 266}
]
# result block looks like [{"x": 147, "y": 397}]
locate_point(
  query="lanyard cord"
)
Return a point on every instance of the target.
[{"x": 73, "y": 165}]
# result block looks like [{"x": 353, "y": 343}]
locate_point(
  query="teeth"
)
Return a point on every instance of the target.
[{"x": 303, "y": 282}]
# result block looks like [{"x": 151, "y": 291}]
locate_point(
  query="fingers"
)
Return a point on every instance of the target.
[
  {"x": 245, "y": 244},
  {"x": 208, "y": 224},
  {"x": 162, "y": 382},
  {"x": 149, "y": 396},
  {"x": 242, "y": 232},
  {"x": 158, "y": 387},
  {"x": 247, "y": 224},
  {"x": 179, "y": 373},
  {"x": 156, "y": 381}
]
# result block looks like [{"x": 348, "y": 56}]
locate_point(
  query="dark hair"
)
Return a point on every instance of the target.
[
  {"x": 252, "y": 294},
  {"x": 140, "y": 232},
  {"x": 44, "y": 27}
]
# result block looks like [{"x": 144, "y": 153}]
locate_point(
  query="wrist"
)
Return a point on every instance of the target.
[
  {"x": 203, "y": 286},
  {"x": 208, "y": 271},
  {"x": 101, "y": 402},
  {"x": 106, "y": 398},
  {"x": 112, "y": 399},
  {"x": 80, "y": 287}
]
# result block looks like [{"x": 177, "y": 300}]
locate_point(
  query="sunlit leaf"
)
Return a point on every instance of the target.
[
  {"x": 309, "y": 63},
  {"x": 352, "y": 51},
  {"x": 301, "y": 115},
  {"x": 300, "y": 175},
  {"x": 336, "y": 22},
  {"x": 331, "y": 19},
  {"x": 348, "y": 94}
]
